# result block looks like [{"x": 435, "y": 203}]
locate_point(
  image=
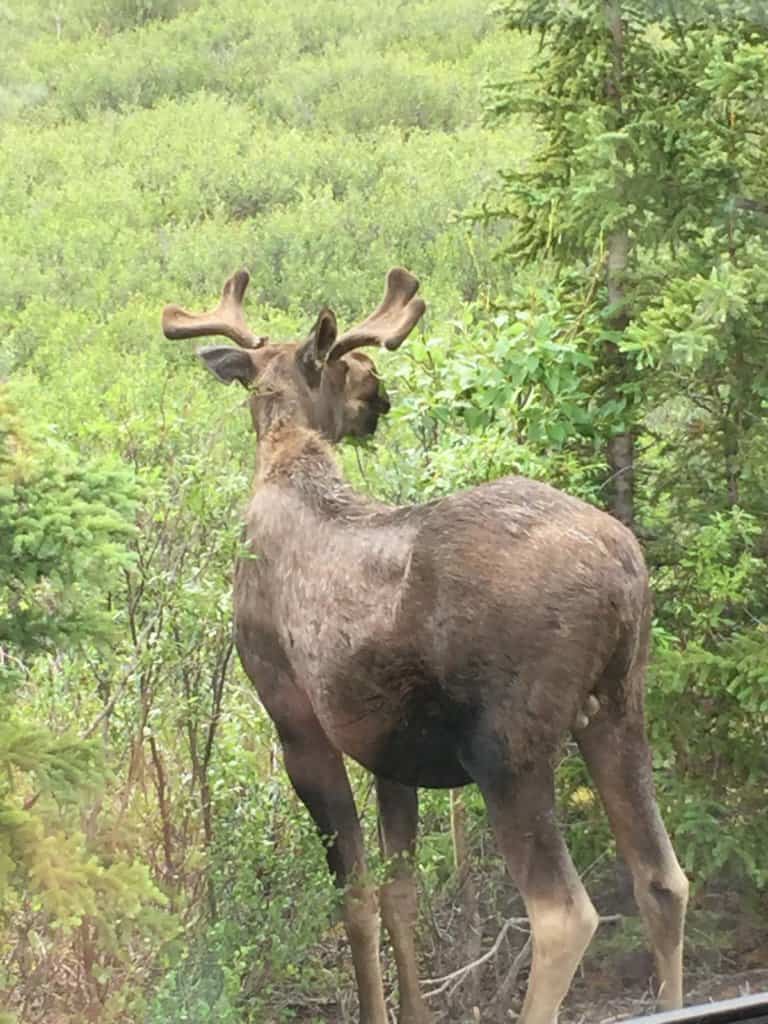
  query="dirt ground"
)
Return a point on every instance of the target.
[
  {"x": 613, "y": 987},
  {"x": 612, "y": 1001},
  {"x": 726, "y": 955}
]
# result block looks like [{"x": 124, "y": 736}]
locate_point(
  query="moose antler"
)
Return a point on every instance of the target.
[
  {"x": 227, "y": 319},
  {"x": 390, "y": 324}
]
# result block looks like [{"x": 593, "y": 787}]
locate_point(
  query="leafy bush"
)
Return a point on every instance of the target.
[
  {"x": 150, "y": 148},
  {"x": 64, "y": 531}
]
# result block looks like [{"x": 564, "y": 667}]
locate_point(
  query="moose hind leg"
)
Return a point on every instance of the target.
[
  {"x": 562, "y": 918},
  {"x": 398, "y": 822},
  {"x": 317, "y": 773},
  {"x": 617, "y": 754}
]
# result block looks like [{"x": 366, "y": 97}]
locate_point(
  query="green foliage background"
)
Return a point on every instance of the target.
[{"x": 155, "y": 864}]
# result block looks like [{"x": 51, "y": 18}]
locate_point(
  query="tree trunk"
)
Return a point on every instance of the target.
[
  {"x": 470, "y": 907},
  {"x": 621, "y": 459},
  {"x": 731, "y": 451},
  {"x": 165, "y": 813},
  {"x": 217, "y": 693},
  {"x": 621, "y": 447}
]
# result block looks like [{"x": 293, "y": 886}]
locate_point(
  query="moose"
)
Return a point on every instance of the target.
[{"x": 437, "y": 644}]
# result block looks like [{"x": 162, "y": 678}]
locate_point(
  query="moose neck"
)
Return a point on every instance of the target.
[{"x": 299, "y": 459}]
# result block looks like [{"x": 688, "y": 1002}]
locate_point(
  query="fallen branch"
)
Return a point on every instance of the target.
[
  {"x": 451, "y": 982},
  {"x": 504, "y": 991}
]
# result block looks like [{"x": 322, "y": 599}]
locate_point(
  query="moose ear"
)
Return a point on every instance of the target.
[
  {"x": 313, "y": 353},
  {"x": 228, "y": 364}
]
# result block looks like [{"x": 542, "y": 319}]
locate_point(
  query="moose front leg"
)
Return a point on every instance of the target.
[
  {"x": 398, "y": 822},
  {"x": 317, "y": 773}
]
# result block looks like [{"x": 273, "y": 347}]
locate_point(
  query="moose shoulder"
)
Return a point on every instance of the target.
[{"x": 438, "y": 644}]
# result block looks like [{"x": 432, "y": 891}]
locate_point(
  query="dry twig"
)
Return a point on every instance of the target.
[{"x": 451, "y": 982}]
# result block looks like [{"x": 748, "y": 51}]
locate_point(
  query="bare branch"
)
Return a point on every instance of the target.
[{"x": 450, "y": 982}]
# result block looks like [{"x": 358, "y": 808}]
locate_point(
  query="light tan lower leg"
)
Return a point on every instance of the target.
[
  {"x": 398, "y": 823},
  {"x": 561, "y": 933},
  {"x": 616, "y": 750},
  {"x": 361, "y": 920},
  {"x": 662, "y": 896},
  {"x": 563, "y": 920},
  {"x": 399, "y": 910}
]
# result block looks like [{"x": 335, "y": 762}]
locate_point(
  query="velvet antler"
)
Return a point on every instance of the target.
[
  {"x": 227, "y": 319},
  {"x": 390, "y": 324}
]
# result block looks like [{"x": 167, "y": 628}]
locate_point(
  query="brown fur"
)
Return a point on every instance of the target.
[{"x": 440, "y": 644}]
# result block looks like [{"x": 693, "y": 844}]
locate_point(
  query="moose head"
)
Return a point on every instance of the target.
[{"x": 322, "y": 383}]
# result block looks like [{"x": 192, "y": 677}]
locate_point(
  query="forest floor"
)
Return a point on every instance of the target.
[
  {"x": 603, "y": 999},
  {"x": 726, "y": 956}
]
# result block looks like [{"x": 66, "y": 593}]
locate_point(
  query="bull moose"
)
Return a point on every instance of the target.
[{"x": 456, "y": 641}]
